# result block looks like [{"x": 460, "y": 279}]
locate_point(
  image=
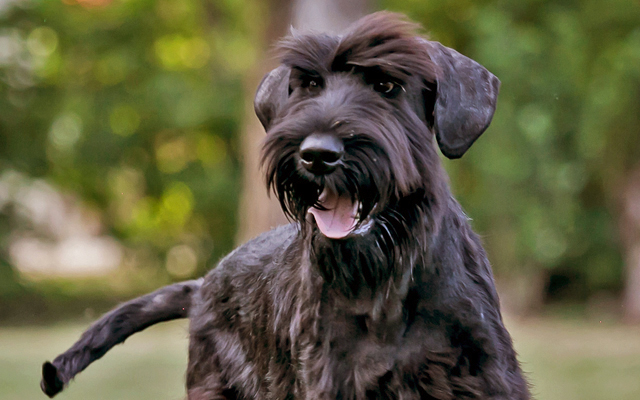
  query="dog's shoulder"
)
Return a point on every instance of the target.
[
  {"x": 242, "y": 278},
  {"x": 258, "y": 254}
]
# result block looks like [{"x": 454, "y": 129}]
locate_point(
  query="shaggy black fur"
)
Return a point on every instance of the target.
[{"x": 403, "y": 307}]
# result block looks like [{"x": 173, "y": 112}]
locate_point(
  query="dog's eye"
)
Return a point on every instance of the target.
[
  {"x": 387, "y": 88},
  {"x": 311, "y": 82}
]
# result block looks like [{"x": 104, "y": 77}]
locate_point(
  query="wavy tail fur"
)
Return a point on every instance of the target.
[{"x": 165, "y": 304}]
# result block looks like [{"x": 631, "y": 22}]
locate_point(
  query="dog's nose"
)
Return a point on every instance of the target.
[{"x": 321, "y": 153}]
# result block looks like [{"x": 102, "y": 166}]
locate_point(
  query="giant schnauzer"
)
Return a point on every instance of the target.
[{"x": 379, "y": 289}]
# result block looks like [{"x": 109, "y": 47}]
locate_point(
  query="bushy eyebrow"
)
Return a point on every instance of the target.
[
  {"x": 384, "y": 44},
  {"x": 308, "y": 52}
]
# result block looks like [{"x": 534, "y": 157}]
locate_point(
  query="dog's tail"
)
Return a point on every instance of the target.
[{"x": 165, "y": 304}]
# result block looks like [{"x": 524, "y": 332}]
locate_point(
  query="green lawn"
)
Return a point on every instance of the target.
[
  {"x": 150, "y": 365},
  {"x": 579, "y": 360},
  {"x": 564, "y": 360}
]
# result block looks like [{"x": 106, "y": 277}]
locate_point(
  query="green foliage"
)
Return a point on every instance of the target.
[
  {"x": 542, "y": 185},
  {"x": 135, "y": 105}
]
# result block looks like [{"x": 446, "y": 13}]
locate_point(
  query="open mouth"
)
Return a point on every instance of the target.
[{"x": 336, "y": 215}]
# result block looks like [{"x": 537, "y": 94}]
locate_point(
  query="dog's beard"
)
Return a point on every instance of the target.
[{"x": 339, "y": 204}]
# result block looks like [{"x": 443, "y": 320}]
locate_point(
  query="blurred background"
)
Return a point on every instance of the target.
[{"x": 129, "y": 160}]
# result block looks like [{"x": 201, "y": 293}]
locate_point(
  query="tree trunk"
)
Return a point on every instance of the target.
[
  {"x": 630, "y": 229},
  {"x": 330, "y": 16},
  {"x": 259, "y": 212}
]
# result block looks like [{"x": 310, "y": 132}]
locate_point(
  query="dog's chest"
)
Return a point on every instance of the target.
[{"x": 355, "y": 344}]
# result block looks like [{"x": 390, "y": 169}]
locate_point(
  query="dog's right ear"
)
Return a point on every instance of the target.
[{"x": 272, "y": 93}]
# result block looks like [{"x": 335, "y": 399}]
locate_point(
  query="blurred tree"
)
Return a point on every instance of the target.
[
  {"x": 630, "y": 232},
  {"x": 136, "y": 106},
  {"x": 259, "y": 212}
]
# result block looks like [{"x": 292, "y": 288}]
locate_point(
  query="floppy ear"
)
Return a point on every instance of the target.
[
  {"x": 271, "y": 95},
  {"x": 465, "y": 100}
]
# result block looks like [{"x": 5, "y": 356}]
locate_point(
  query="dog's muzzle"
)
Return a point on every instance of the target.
[{"x": 336, "y": 213}]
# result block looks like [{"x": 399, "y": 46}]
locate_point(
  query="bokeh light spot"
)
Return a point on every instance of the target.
[
  {"x": 176, "y": 205},
  {"x": 42, "y": 41},
  {"x": 182, "y": 261},
  {"x": 65, "y": 131},
  {"x": 176, "y": 52},
  {"x": 124, "y": 120},
  {"x": 211, "y": 150},
  {"x": 174, "y": 155}
]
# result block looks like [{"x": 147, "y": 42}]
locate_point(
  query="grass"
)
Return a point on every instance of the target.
[
  {"x": 565, "y": 360},
  {"x": 579, "y": 360},
  {"x": 151, "y": 364}
]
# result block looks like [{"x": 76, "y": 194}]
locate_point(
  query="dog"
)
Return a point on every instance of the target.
[{"x": 379, "y": 288}]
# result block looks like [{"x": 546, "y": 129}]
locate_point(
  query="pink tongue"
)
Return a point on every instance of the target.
[{"x": 339, "y": 218}]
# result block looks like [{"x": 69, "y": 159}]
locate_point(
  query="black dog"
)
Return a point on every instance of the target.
[{"x": 379, "y": 289}]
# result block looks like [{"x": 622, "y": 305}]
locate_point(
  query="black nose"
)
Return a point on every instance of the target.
[{"x": 321, "y": 153}]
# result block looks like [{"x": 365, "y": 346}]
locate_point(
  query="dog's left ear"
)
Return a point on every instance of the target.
[
  {"x": 465, "y": 100},
  {"x": 271, "y": 95}
]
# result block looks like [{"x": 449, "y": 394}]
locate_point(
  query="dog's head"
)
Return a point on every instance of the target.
[{"x": 350, "y": 119}]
